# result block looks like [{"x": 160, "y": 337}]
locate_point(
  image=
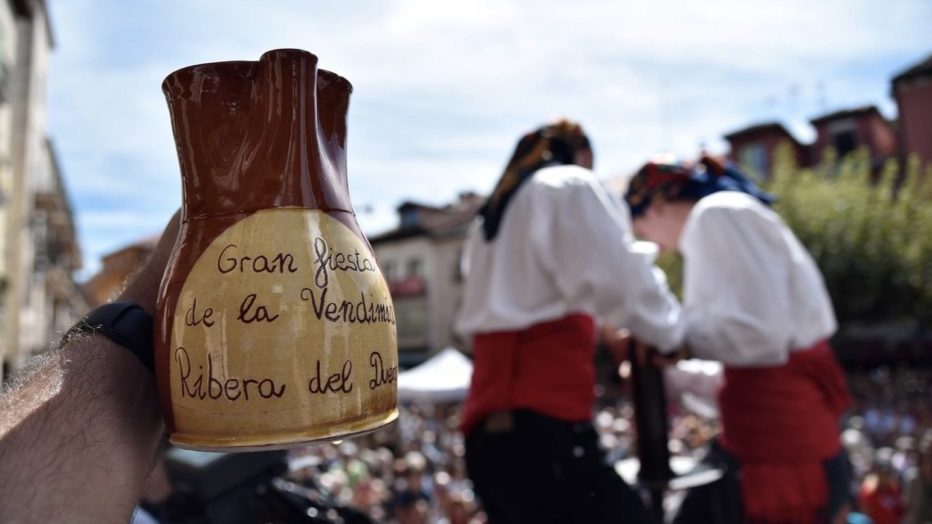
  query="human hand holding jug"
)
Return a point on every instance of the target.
[{"x": 274, "y": 324}]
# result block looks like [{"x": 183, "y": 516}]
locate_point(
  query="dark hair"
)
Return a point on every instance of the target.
[{"x": 554, "y": 144}]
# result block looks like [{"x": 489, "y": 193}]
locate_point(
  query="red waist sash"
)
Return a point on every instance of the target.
[
  {"x": 547, "y": 368},
  {"x": 782, "y": 422}
]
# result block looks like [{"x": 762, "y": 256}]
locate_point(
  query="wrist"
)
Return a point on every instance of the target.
[{"x": 125, "y": 323}]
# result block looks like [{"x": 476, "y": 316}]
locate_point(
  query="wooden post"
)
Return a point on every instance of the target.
[{"x": 650, "y": 414}]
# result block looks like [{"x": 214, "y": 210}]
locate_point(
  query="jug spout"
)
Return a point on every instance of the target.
[{"x": 274, "y": 129}]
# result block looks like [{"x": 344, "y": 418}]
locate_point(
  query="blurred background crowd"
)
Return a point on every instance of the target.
[{"x": 414, "y": 472}]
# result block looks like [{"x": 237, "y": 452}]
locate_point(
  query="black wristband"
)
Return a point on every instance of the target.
[{"x": 125, "y": 323}]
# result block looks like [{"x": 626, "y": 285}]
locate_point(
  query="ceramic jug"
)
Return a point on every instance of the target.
[{"x": 274, "y": 324}]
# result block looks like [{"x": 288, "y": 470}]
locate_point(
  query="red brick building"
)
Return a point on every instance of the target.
[
  {"x": 912, "y": 90},
  {"x": 755, "y": 147},
  {"x": 850, "y": 129}
]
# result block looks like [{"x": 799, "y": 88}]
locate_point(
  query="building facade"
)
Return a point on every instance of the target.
[
  {"x": 755, "y": 147},
  {"x": 421, "y": 262},
  {"x": 850, "y": 129},
  {"x": 40, "y": 251},
  {"x": 910, "y": 135},
  {"x": 912, "y": 90}
]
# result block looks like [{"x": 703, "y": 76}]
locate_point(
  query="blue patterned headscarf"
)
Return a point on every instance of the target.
[{"x": 680, "y": 181}]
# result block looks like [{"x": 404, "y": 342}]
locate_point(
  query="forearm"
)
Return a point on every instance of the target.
[
  {"x": 79, "y": 435},
  {"x": 595, "y": 256},
  {"x": 733, "y": 344},
  {"x": 650, "y": 311},
  {"x": 78, "y": 447}
]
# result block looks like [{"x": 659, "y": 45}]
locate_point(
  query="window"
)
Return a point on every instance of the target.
[
  {"x": 388, "y": 269},
  {"x": 413, "y": 323},
  {"x": 844, "y": 142},
  {"x": 458, "y": 266},
  {"x": 415, "y": 268},
  {"x": 754, "y": 158},
  {"x": 409, "y": 217},
  {"x": 843, "y": 136}
]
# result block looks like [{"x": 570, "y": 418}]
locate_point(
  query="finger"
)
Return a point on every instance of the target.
[
  {"x": 662, "y": 361},
  {"x": 619, "y": 351},
  {"x": 608, "y": 333},
  {"x": 166, "y": 242},
  {"x": 143, "y": 287},
  {"x": 641, "y": 353}
]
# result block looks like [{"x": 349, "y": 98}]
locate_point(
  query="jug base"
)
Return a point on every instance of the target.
[{"x": 273, "y": 441}]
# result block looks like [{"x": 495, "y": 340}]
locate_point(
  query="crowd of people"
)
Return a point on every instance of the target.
[
  {"x": 414, "y": 472},
  {"x": 887, "y": 434},
  {"x": 889, "y": 440}
]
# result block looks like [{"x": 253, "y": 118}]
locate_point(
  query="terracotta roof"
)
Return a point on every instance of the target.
[
  {"x": 145, "y": 246},
  {"x": 923, "y": 68},
  {"x": 435, "y": 222},
  {"x": 845, "y": 113},
  {"x": 397, "y": 234},
  {"x": 760, "y": 128},
  {"x": 408, "y": 204},
  {"x": 148, "y": 242}
]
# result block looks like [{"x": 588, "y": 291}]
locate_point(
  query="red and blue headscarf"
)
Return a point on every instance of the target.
[{"x": 673, "y": 181}]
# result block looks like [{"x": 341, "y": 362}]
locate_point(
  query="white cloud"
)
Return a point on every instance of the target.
[{"x": 443, "y": 89}]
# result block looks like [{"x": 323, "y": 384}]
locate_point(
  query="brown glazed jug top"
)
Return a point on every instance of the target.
[{"x": 259, "y": 135}]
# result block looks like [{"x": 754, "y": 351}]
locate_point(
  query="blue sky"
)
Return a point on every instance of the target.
[{"x": 443, "y": 89}]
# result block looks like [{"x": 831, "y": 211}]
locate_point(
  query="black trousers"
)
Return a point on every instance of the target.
[
  {"x": 541, "y": 470},
  {"x": 720, "y": 501}
]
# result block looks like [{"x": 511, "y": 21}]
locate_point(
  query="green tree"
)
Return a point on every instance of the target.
[{"x": 870, "y": 233}]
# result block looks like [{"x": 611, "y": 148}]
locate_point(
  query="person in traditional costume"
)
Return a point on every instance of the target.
[
  {"x": 541, "y": 264},
  {"x": 754, "y": 300}
]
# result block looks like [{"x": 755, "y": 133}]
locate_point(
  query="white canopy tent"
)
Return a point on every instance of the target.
[{"x": 442, "y": 378}]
